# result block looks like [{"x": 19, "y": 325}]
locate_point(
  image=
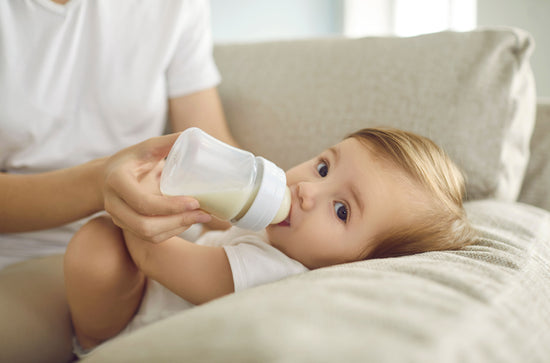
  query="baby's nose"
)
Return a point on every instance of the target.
[{"x": 306, "y": 193}]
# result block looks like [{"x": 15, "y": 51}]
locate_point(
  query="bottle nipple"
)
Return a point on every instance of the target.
[{"x": 284, "y": 209}]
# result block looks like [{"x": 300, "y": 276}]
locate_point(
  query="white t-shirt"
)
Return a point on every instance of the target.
[
  {"x": 253, "y": 262},
  {"x": 86, "y": 79}
]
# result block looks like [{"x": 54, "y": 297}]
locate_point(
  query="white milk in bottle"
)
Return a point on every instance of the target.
[{"x": 230, "y": 183}]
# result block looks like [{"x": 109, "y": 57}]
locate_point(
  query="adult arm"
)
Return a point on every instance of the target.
[
  {"x": 45, "y": 200},
  {"x": 32, "y": 202}
]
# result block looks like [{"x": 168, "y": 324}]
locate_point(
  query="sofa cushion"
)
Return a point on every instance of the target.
[
  {"x": 487, "y": 303},
  {"x": 472, "y": 92}
]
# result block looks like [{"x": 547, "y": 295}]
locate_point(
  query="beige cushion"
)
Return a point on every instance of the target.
[
  {"x": 471, "y": 92},
  {"x": 536, "y": 186},
  {"x": 489, "y": 303}
]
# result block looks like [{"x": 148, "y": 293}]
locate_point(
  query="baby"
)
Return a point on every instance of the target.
[{"x": 379, "y": 193}]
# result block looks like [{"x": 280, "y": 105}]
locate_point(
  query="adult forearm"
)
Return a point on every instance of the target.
[
  {"x": 33, "y": 202},
  {"x": 46, "y": 200}
]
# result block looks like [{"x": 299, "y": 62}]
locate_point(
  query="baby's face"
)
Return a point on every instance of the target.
[{"x": 341, "y": 201}]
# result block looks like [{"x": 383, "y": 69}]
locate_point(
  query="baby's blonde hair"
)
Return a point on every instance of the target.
[{"x": 440, "y": 224}]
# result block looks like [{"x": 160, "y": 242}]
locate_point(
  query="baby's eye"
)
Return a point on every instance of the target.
[
  {"x": 322, "y": 169},
  {"x": 341, "y": 211}
]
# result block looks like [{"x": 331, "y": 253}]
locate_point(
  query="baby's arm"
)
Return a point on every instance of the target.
[{"x": 196, "y": 273}]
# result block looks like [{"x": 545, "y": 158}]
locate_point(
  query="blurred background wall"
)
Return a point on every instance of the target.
[{"x": 261, "y": 20}]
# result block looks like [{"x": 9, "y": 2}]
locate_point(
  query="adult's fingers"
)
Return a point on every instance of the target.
[
  {"x": 155, "y": 228},
  {"x": 151, "y": 230},
  {"x": 126, "y": 169},
  {"x": 169, "y": 234},
  {"x": 157, "y": 148},
  {"x": 126, "y": 186}
]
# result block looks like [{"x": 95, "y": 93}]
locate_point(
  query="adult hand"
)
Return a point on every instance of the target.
[{"x": 132, "y": 195}]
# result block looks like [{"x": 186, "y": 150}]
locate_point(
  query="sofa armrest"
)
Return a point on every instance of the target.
[{"x": 536, "y": 183}]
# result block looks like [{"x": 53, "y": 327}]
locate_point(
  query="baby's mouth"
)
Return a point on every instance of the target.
[{"x": 286, "y": 222}]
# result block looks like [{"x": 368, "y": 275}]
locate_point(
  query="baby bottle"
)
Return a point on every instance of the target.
[{"x": 229, "y": 183}]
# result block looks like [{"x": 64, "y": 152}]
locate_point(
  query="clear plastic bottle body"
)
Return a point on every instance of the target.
[{"x": 229, "y": 183}]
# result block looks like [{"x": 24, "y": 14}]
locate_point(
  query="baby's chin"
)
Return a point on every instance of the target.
[
  {"x": 269, "y": 231},
  {"x": 273, "y": 234}
]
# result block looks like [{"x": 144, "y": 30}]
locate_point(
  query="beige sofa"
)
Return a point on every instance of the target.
[{"x": 471, "y": 92}]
